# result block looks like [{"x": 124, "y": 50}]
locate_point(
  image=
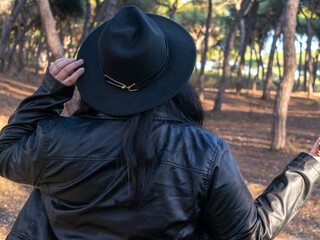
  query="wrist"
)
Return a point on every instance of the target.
[
  {"x": 55, "y": 86},
  {"x": 316, "y": 157}
]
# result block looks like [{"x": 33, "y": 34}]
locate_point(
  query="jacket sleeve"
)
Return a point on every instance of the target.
[
  {"x": 230, "y": 211},
  {"x": 32, "y": 221},
  {"x": 22, "y": 141}
]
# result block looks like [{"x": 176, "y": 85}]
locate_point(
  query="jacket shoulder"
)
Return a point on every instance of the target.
[
  {"x": 101, "y": 138},
  {"x": 189, "y": 146}
]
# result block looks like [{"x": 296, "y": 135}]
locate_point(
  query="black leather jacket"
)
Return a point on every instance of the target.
[{"x": 199, "y": 191}]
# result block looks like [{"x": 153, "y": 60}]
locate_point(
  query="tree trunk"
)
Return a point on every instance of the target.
[
  {"x": 173, "y": 9},
  {"x": 21, "y": 53},
  {"x": 247, "y": 31},
  {"x": 285, "y": 87},
  {"x": 111, "y": 10},
  {"x": 235, "y": 63},
  {"x": 250, "y": 62},
  {"x": 243, "y": 46},
  {"x": 14, "y": 48},
  {"x": 85, "y": 31},
  {"x": 300, "y": 66},
  {"x": 48, "y": 51},
  {"x": 200, "y": 80},
  {"x": 308, "y": 63},
  {"x": 100, "y": 15},
  {"x": 5, "y": 35},
  {"x": 204, "y": 52},
  {"x": 315, "y": 68},
  {"x": 40, "y": 48},
  {"x": 268, "y": 80},
  {"x": 32, "y": 48},
  {"x": 255, "y": 79},
  {"x": 261, "y": 43},
  {"x": 279, "y": 65},
  {"x": 22, "y": 41},
  {"x": 219, "y": 63},
  {"x": 70, "y": 45},
  {"x": 309, "y": 57},
  {"x": 226, "y": 66},
  {"x": 55, "y": 46},
  {"x": 50, "y": 29},
  {"x": 305, "y": 78}
]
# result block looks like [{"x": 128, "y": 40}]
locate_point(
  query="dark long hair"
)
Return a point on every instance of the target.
[{"x": 139, "y": 134}]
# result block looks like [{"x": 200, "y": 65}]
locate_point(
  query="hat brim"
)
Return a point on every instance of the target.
[{"x": 108, "y": 99}]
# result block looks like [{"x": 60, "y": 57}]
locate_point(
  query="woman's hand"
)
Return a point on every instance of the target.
[
  {"x": 64, "y": 70},
  {"x": 314, "y": 150}
]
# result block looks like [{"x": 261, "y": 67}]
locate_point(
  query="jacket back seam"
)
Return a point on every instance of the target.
[{"x": 195, "y": 170}]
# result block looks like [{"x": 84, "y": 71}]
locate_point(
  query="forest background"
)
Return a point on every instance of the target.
[{"x": 257, "y": 75}]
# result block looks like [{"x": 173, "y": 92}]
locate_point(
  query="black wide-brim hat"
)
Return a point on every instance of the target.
[{"x": 134, "y": 62}]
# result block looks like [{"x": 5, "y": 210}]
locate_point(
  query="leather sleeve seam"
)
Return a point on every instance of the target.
[
  {"x": 44, "y": 162},
  {"x": 211, "y": 161},
  {"x": 311, "y": 164},
  {"x": 19, "y": 235},
  {"x": 81, "y": 159}
]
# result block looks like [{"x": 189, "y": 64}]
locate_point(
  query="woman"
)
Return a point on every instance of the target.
[{"x": 133, "y": 162}]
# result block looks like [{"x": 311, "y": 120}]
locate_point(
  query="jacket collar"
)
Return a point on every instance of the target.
[{"x": 161, "y": 116}]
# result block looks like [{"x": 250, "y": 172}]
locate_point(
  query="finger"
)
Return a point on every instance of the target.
[
  {"x": 60, "y": 65},
  {"x": 70, "y": 81},
  {"x": 53, "y": 64},
  {"x": 69, "y": 68},
  {"x": 314, "y": 150},
  {"x": 70, "y": 74},
  {"x": 54, "y": 67}
]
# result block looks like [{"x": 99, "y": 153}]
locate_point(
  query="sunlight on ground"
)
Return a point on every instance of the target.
[
  {"x": 13, "y": 89},
  {"x": 256, "y": 189},
  {"x": 3, "y": 121},
  {"x": 12, "y": 198},
  {"x": 249, "y": 141},
  {"x": 285, "y": 236},
  {"x": 313, "y": 103},
  {"x": 18, "y": 84}
]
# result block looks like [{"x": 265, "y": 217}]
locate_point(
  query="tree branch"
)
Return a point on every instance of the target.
[
  {"x": 303, "y": 13},
  {"x": 163, "y": 4}
]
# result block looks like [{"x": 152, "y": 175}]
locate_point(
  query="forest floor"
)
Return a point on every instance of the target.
[{"x": 245, "y": 122}]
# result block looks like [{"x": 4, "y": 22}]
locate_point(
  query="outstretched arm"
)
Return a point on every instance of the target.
[{"x": 231, "y": 213}]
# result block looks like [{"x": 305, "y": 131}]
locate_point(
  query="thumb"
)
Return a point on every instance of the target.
[{"x": 315, "y": 148}]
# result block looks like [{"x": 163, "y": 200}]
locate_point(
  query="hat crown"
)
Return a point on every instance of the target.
[
  {"x": 132, "y": 48},
  {"x": 148, "y": 57}
]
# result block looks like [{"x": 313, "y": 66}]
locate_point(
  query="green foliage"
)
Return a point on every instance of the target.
[
  {"x": 305, "y": 13},
  {"x": 270, "y": 8},
  {"x": 144, "y": 5},
  {"x": 316, "y": 27},
  {"x": 268, "y": 14},
  {"x": 210, "y": 79},
  {"x": 192, "y": 15},
  {"x": 310, "y": 5}
]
